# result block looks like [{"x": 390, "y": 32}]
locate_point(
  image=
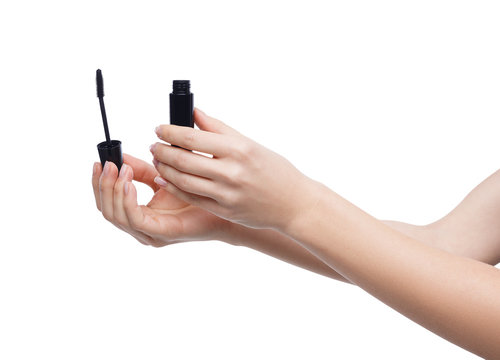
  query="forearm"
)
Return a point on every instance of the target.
[
  {"x": 280, "y": 246},
  {"x": 452, "y": 296},
  {"x": 284, "y": 248}
]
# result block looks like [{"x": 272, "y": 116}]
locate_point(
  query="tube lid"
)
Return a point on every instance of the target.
[{"x": 111, "y": 153}]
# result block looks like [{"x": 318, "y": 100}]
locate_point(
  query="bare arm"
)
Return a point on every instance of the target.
[
  {"x": 284, "y": 248},
  {"x": 454, "y": 296},
  {"x": 458, "y": 298},
  {"x": 470, "y": 230}
]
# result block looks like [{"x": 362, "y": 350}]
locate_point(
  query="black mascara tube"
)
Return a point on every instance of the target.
[{"x": 181, "y": 104}]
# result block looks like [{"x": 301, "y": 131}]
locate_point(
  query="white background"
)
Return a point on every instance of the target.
[{"x": 392, "y": 104}]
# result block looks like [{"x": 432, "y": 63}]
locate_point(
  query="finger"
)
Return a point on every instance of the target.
[
  {"x": 126, "y": 174},
  {"x": 106, "y": 185},
  {"x": 118, "y": 211},
  {"x": 192, "y": 139},
  {"x": 167, "y": 226},
  {"x": 135, "y": 214},
  {"x": 103, "y": 182},
  {"x": 193, "y": 199},
  {"x": 96, "y": 174},
  {"x": 208, "y": 123},
  {"x": 189, "y": 183},
  {"x": 185, "y": 161},
  {"x": 143, "y": 171}
]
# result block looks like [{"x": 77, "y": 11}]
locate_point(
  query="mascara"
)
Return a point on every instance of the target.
[{"x": 109, "y": 150}]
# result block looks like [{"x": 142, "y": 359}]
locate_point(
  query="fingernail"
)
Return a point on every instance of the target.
[
  {"x": 157, "y": 131},
  {"x": 123, "y": 171},
  {"x": 94, "y": 170},
  {"x": 155, "y": 162},
  {"x": 106, "y": 167},
  {"x": 152, "y": 147},
  {"x": 160, "y": 181},
  {"x": 125, "y": 188}
]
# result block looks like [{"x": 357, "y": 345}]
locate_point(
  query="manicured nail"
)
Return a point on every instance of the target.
[
  {"x": 152, "y": 147},
  {"x": 107, "y": 165},
  {"x": 94, "y": 170},
  {"x": 155, "y": 162},
  {"x": 123, "y": 171},
  {"x": 125, "y": 188},
  {"x": 157, "y": 131},
  {"x": 160, "y": 181}
]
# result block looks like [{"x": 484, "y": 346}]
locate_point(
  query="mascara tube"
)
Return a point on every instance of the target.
[{"x": 181, "y": 104}]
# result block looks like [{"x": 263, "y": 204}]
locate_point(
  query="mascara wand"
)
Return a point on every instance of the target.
[
  {"x": 100, "y": 95},
  {"x": 109, "y": 150}
]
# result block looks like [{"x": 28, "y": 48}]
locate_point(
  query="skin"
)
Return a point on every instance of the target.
[{"x": 439, "y": 275}]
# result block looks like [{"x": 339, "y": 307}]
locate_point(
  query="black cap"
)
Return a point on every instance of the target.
[{"x": 111, "y": 153}]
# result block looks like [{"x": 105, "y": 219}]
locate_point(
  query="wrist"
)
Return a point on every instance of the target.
[
  {"x": 304, "y": 207},
  {"x": 230, "y": 233}
]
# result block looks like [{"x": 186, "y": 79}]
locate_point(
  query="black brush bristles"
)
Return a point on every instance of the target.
[{"x": 100, "y": 83}]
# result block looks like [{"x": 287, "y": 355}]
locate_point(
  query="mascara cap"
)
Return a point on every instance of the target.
[{"x": 111, "y": 153}]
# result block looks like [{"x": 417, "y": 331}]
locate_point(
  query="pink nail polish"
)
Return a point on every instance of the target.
[
  {"x": 125, "y": 188},
  {"x": 157, "y": 131},
  {"x": 152, "y": 147},
  {"x": 160, "y": 181},
  {"x": 155, "y": 162}
]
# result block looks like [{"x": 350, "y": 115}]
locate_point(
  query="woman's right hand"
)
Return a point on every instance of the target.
[{"x": 164, "y": 220}]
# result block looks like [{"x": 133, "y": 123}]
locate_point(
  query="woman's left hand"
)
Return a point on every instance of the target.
[{"x": 242, "y": 182}]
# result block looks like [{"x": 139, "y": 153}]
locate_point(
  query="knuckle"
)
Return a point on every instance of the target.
[
  {"x": 234, "y": 175},
  {"x": 189, "y": 137},
  {"x": 184, "y": 182},
  {"x": 238, "y": 174},
  {"x": 244, "y": 149},
  {"x": 178, "y": 159},
  {"x": 230, "y": 198}
]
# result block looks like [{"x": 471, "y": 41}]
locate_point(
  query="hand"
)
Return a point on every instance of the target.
[
  {"x": 164, "y": 220},
  {"x": 243, "y": 181}
]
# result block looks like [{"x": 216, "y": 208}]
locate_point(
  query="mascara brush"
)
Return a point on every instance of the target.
[
  {"x": 100, "y": 95},
  {"x": 109, "y": 150}
]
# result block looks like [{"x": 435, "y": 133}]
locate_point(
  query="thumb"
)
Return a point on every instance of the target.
[
  {"x": 208, "y": 123},
  {"x": 143, "y": 172}
]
